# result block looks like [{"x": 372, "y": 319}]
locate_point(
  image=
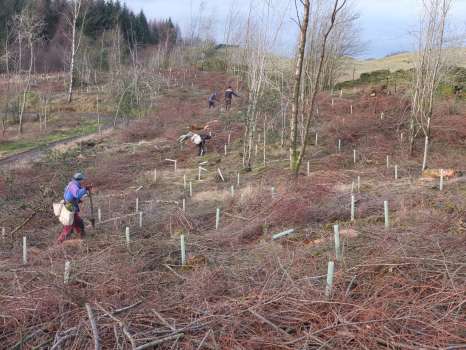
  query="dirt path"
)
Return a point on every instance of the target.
[{"x": 38, "y": 152}]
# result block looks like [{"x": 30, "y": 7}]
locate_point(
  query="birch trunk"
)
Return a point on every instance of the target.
[
  {"x": 297, "y": 86},
  {"x": 73, "y": 54},
  {"x": 338, "y": 6}
]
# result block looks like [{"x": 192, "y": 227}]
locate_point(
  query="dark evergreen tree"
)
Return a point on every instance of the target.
[
  {"x": 101, "y": 16},
  {"x": 143, "y": 32}
]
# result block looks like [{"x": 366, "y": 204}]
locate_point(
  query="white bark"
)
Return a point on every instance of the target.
[
  {"x": 27, "y": 27},
  {"x": 76, "y": 10},
  {"x": 430, "y": 69},
  {"x": 315, "y": 86}
]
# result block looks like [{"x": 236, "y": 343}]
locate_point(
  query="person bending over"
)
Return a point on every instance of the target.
[{"x": 197, "y": 139}]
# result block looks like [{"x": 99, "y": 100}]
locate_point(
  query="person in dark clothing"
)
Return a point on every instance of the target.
[
  {"x": 212, "y": 99},
  {"x": 197, "y": 139},
  {"x": 202, "y": 145},
  {"x": 229, "y": 93}
]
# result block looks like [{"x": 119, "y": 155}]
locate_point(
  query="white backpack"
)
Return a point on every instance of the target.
[
  {"x": 65, "y": 216},
  {"x": 196, "y": 139}
]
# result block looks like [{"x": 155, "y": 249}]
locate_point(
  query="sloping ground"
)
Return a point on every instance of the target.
[
  {"x": 398, "y": 288},
  {"x": 396, "y": 62}
]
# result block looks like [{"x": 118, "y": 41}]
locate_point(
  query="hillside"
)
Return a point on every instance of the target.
[
  {"x": 393, "y": 63},
  {"x": 399, "y": 281}
]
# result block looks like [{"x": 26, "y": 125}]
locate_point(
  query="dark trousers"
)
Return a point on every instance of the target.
[
  {"x": 202, "y": 145},
  {"x": 202, "y": 148},
  {"x": 211, "y": 104},
  {"x": 78, "y": 226},
  {"x": 227, "y": 103}
]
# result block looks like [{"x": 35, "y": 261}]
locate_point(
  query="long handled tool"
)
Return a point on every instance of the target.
[{"x": 92, "y": 210}]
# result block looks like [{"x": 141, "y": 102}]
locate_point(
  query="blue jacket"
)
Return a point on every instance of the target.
[{"x": 73, "y": 194}]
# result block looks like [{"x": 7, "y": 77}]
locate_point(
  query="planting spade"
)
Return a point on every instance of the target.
[{"x": 92, "y": 210}]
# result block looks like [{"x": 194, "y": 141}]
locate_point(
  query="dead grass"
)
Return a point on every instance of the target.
[{"x": 402, "y": 288}]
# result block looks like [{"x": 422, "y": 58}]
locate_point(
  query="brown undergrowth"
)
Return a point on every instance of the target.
[{"x": 397, "y": 288}]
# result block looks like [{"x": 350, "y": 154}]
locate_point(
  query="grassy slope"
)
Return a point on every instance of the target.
[{"x": 394, "y": 63}]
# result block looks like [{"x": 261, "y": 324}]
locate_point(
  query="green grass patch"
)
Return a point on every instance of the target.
[{"x": 13, "y": 147}]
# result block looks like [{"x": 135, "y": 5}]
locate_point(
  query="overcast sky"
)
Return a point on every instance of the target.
[{"x": 385, "y": 24}]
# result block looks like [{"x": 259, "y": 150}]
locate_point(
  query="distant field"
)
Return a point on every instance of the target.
[{"x": 394, "y": 63}]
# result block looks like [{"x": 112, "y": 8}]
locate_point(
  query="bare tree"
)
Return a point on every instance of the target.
[
  {"x": 303, "y": 25},
  {"x": 27, "y": 27},
  {"x": 231, "y": 22},
  {"x": 430, "y": 69},
  {"x": 343, "y": 41},
  {"x": 200, "y": 45},
  {"x": 76, "y": 12},
  {"x": 7, "y": 56},
  {"x": 323, "y": 30},
  {"x": 261, "y": 31}
]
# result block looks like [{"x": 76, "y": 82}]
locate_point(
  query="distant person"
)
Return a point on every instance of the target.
[
  {"x": 458, "y": 89},
  {"x": 73, "y": 195},
  {"x": 212, "y": 99},
  {"x": 229, "y": 93},
  {"x": 197, "y": 139}
]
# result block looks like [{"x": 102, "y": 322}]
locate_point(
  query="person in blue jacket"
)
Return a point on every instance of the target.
[
  {"x": 212, "y": 99},
  {"x": 73, "y": 195}
]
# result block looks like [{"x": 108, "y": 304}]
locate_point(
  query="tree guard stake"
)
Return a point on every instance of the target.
[
  {"x": 283, "y": 234},
  {"x": 336, "y": 231},
  {"x": 387, "y": 220},
  {"x": 441, "y": 180},
  {"x": 183, "y": 250},
  {"x": 217, "y": 219},
  {"x": 220, "y": 174},
  {"x": 128, "y": 239},
  {"x": 329, "y": 286},
  {"x": 67, "y": 273},
  {"x": 25, "y": 252}
]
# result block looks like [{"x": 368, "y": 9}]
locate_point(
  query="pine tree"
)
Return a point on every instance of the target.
[{"x": 144, "y": 35}]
